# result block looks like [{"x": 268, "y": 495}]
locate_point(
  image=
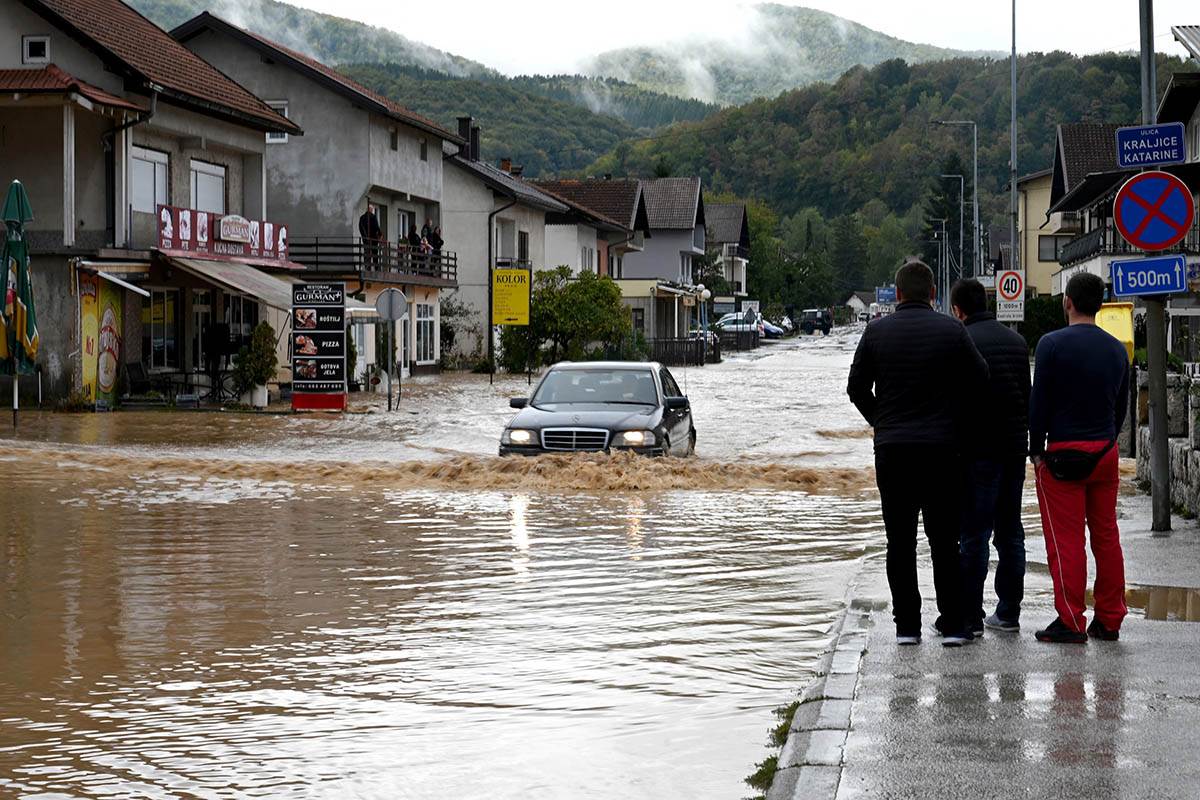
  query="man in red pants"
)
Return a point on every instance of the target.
[{"x": 1079, "y": 398}]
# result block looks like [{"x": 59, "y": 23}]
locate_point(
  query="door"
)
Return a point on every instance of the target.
[{"x": 678, "y": 421}]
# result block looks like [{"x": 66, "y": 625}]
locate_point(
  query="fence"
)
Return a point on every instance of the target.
[
  {"x": 737, "y": 341},
  {"x": 684, "y": 352},
  {"x": 352, "y": 254}
]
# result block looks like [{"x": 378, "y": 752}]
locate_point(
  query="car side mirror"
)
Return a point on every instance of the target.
[
  {"x": 518, "y": 402},
  {"x": 676, "y": 403}
]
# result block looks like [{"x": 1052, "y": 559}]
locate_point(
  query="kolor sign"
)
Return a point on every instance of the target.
[{"x": 319, "y": 346}]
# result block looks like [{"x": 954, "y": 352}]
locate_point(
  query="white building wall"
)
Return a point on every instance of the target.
[
  {"x": 562, "y": 247},
  {"x": 466, "y": 203}
]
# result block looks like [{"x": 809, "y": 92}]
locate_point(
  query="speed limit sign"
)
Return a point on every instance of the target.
[{"x": 1010, "y": 296}]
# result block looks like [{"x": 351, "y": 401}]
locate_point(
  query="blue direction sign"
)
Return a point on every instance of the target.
[
  {"x": 1151, "y": 145},
  {"x": 885, "y": 295},
  {"x": 1146, "y": 276}
]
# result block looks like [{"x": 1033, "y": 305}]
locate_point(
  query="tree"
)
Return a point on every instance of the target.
[
  {"x": 942, "y": 208},
  {"x": 887, "y": 248},
  {"x": 849, "y": 254}
]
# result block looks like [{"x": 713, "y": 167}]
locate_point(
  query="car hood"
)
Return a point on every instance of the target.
[{"x": 613, "y": 418}]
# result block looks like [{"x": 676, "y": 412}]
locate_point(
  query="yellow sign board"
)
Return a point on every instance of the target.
[
  {"x": 510, "y": 296},
  {"x": 1117, "y": 319}
]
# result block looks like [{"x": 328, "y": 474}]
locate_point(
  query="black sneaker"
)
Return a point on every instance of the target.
[
  {"x": 1057, "y": 632},
  {"x": 957, "y": 639},
  {"x": 1097, "y": 631}
]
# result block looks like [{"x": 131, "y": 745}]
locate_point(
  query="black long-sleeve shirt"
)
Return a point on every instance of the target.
[
  {"x": 916, "y": 377},
  {"x": 1080, "y": 387}
]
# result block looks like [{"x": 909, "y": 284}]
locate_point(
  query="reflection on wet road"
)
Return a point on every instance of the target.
[{"x": 231, "y": 605}]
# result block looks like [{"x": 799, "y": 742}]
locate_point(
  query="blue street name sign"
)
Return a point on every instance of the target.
[
  {"x": 1151, "y": 145},
  {"x": 1147, "y": 276}
]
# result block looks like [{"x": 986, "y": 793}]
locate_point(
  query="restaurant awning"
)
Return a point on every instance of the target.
[{"x": 241, "y": 278}]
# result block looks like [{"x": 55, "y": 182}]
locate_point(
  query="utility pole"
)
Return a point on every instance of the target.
[
  {"x": 1012, "y": 150},
  {"x": 976, "y": 240},
  {"x": 1156, "y": 328},
  {"x": 961, "y": 195}
]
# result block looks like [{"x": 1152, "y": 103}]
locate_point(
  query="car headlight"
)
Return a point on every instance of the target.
[
  {"x": 635, "y": 439},
  {"x": 517, "y": 436}
]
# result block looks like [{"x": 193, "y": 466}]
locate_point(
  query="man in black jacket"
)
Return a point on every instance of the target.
[
  {"x": 913, "y": 374},
  {"x": 371, "y": 233},
  {"x": 995, "y": 473}
]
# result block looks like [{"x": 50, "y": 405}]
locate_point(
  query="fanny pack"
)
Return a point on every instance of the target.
[{"x": 1074, "y": 465}]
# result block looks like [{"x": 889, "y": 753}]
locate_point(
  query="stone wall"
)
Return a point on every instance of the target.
[{"x": 1183, "y": 428}]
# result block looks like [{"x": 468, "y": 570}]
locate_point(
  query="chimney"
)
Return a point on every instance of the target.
[
  {"x": 464, "y": 128},
  {"x": 474, "y": 142},
  {"x": 506, "y": 164},
  {"x": 517, "y": 170}
]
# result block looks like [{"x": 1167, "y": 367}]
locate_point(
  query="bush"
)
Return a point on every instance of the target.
[
  {"x": 256, "y": 362},
  {"x": 1042, "y": 315}
]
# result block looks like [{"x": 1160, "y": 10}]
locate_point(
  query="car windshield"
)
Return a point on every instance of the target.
[{"x": 602, "y": 386}]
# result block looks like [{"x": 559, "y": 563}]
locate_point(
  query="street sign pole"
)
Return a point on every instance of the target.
[{"x": 1156, "y": 328}]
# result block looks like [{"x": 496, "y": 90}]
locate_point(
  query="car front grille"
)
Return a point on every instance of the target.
[{"x": 574, "y": 439}]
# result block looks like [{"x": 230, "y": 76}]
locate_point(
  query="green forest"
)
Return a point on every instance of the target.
[{"x": 852, "y": 169}]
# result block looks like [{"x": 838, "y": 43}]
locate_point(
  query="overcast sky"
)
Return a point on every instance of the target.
[{"x": 523, "y": 36}]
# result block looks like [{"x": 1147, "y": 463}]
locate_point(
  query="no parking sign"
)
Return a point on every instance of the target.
[{"x": 1154, "y": 210}]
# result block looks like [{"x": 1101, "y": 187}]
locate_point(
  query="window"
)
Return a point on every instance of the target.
[
  {"x": 523, "y": 246},
  {"x": 639, "y": 320},
  {"x": 424, "y": 151},
  {"x": 281, "y": 108},
  {"x": 587, "y": 259},
  {"x": 425, "y": 339},
  {"x": 615, "y": 266},
  {"x": 35, "y": 49},
  {"x": 670, "y": 387},
  {"x": 160, "y": 329},
  {"x": 208, "y": 187},
  {"x": 201, "y": 320},
  {"x": 150, "y": 168},
  {"x": 241, "y": 315},
  {"x": 685, "y": 268},
  {"x": 1050, "y": 247},
  {"x": 394, "y": 137}
]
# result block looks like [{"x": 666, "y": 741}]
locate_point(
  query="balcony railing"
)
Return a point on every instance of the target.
[
  {"x": 735, "y": 251},
  {"x": 353, "y": 254},
  {"x": 1105, "y": 240}
]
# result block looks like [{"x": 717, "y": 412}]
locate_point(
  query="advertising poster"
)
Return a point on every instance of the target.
[
  {"x": 108, "y": 344},
  {"x": 89, "y": 331},
  {"x": 318, "y": 346},
  {"x": 510, "y": 296},
  {"x": 218, "y": 236}
]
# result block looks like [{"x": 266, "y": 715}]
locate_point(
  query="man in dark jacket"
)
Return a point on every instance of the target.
[
  {"x": 371, "y": 233},
  {"x": 1080, "y": 394},
  {"x": 995, "y": 473},
  {"x": 913, "y": 375}
]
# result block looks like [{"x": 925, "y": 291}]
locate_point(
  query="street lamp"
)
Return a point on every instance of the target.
[
  {"x": 960, "y": 220},
  {"x": 975, "y": 271},
  {"x": 704, "y": 295}
]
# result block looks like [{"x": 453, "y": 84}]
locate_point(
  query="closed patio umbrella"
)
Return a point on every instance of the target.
[{"x": 18, "y": 319}]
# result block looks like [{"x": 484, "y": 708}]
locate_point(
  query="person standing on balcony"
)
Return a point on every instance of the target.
[
  {"x": 915, "y": 375},
  {"x": 369, "y": 230},
  {"x": 1078, "y": 404}
]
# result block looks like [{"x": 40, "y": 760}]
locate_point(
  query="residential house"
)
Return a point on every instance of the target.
[
  {"x": 727, "y": 241},
  {"x": 620, "y": 200},
  {"x": 360, "y": 149},
  {"x": 496, "y": 220},
  {"x": 658, "y": 282},
  {"x": 121, "y": 135},
  {"x": 859, "y": 303},
  {"x": 1042, "y": 235},
  {"x": 606, "y": 221}
]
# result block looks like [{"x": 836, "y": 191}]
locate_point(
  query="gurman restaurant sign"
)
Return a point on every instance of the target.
[{"x": 223, "y": 236}]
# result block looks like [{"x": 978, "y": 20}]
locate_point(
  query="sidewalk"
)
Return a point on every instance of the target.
[{"x": 1008, "y": 716}]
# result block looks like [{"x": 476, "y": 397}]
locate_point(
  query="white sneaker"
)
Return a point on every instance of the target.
[
  {"x": 908, "y": 640},
  {"x": 997, "y": 624}
]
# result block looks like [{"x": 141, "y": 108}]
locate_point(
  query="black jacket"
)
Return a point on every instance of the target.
[
  {"x": 913, "y": 376},
  {"x": 368, "y": 226},
  {"x": 1002, "y": 413}
]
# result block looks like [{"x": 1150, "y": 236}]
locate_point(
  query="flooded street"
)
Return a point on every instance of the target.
[{"x": 374, "y": 605}]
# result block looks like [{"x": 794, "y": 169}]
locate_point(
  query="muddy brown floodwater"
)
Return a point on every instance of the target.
[{"x": 373, "y": 605}]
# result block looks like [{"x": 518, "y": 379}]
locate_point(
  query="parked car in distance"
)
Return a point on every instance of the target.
[
  {"x": 602, "y": 406},
  {"x": 735, "y": 322},
  {"x": 771, "y": 330},
  {"x": 816, "y": 319}
]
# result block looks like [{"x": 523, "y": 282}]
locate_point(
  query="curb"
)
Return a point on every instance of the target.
[{"x": 810, "y": 763}]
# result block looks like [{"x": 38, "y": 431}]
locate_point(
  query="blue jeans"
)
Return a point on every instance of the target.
[{"x": 994, "y": 492}]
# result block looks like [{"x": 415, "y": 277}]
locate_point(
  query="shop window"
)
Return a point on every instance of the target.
[
  {"x": 241, "y": 315},
  {"x": 208, "y": 187},
  {"x": 35, "y": 49},
  {"x": 280, "y": 107},
  {"x": 201, "y": 320},
  {"x": 150, "y": 168},
  {"x": 426, "y": 353},
  {"x": 161, "y": 329}
]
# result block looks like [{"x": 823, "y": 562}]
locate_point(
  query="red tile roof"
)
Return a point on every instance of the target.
[
  {"x": 52, "y": 80},
  {"x": 343, "y": 84},
  {"x": 124, "y": 38},
  {"x": 615, "y": 199}
]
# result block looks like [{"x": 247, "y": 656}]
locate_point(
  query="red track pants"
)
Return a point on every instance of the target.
[{"x": 1066, "y": 506}]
